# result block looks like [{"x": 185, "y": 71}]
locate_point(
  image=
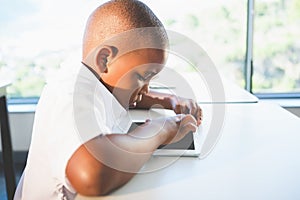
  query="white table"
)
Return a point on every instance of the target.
[
  {"x": 6, "y": 142},
  {"x": 257, "y": 157}
]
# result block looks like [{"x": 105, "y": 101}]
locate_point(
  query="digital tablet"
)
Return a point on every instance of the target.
[{"x": 190, "y": 145}]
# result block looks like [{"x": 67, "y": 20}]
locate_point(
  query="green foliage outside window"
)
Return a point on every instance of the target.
[{"x": 217, "y": 26}]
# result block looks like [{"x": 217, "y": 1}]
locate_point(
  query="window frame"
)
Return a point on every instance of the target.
[{"x": 249, "y": 68}]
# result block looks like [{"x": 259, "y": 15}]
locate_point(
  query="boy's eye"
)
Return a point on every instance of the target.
[{"x": 140, "y": 77}]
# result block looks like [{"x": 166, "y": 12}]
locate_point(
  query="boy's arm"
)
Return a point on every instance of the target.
[
  {"x": 108, "y": 162},
  {"x": 172, "y": 102}
]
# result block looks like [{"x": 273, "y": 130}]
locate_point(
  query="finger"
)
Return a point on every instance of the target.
[
  {"x": 188, "y": 119},
  {"x": 177, "y": 109},
  {"x": 182, "y": 108},
  {"x": 185, "y": 108},
  {"x": 193, "y": 108},
  {"x": 199, "y": 116},
  {"x": 188, "y": 127}
]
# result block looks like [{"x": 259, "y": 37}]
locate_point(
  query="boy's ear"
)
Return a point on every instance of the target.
[{"x": 104, "y": 55}]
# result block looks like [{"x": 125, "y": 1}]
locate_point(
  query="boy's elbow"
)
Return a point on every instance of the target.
[
  {"x": 87, "y": 175},
  {"x": 88, "y": 184},
  {"x": 99, "y": 181}
]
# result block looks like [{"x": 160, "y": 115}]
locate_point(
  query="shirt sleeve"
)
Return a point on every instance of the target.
[{"x": 80, "y": 117}]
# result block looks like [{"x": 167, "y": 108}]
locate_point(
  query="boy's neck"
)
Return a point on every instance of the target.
[{"x": 109, "y": 88}]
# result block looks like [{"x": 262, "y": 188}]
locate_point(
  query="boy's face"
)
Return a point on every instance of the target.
[{"x": 128, "y": 76}]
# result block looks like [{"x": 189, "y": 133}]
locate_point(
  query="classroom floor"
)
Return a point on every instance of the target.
[{"x": 18, "y": 170}]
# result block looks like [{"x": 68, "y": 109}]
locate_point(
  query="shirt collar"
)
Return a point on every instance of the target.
[{"x": 117, "y": 117}]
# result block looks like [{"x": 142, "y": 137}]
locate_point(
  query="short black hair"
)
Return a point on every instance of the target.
[{"x": 117, "y": 16}]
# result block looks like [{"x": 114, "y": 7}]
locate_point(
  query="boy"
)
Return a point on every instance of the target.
[{"x": 76, "y": 142}]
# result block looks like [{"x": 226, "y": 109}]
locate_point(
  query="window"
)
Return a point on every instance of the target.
[
  {"x": 219, "y": 27},
  {"x": 36, "y": 36},
  {"x": 39, "y": 36},
  {"x": 276, "y": 46}
]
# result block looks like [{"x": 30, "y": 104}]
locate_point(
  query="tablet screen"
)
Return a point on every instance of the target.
[{"x": 185, "y": 143}]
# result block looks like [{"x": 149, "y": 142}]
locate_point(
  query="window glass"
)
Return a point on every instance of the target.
[
  {"x": 36, "y": 35},
  {"x": 218, "y": 26},
  {"x": 276, "y": 46}
]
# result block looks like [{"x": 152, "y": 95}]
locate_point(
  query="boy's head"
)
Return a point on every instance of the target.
[{"x": 119, "y": 45}]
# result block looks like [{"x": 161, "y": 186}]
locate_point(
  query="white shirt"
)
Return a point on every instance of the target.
[{"x": 73, "y": 108}]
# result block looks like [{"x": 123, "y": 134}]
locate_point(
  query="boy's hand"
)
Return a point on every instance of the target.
[
  {"x": 178, "y": 104},
  {"x": 173, "y": 129},
  {"x": 186, "y": 106}
]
